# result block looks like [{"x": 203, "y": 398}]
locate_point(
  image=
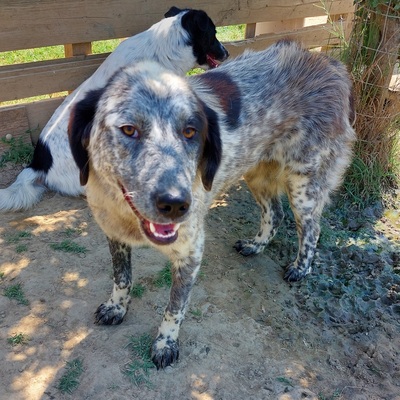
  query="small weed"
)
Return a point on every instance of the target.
[
  {"x": 70, "y": 232},
  {"x": 201, "y": 275},
  {"x": 204, "y": 262},
  {"x": 137, "y": 291},
  {"x": 68, "y": 246},
  {"x": 17, "y": 339},
  {"x": 70, "y": 380},
  {"x": 285, "y": 381},
  {"x": 15, "y": 292},
  {"x": 164, "y": 277},
  {"x": 21, "y": 248},
  {"x": 196, "y": 313},
  {"x": 335, "y": 395},
  {"x": 2, "y": 275},
  {"x": 16, "y": 237},
  {"x": 18, "y": 153},
  {"x": 138, "y": 370}
]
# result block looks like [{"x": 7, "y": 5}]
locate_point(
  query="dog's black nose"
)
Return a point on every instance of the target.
[{"x": 172, "y": 206}]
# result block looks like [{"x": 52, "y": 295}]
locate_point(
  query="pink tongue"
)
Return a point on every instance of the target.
[
  {"x": 211, "y": 62},
  {"x": 164, "y": 229},
  {"x": 160, "y": 229}
]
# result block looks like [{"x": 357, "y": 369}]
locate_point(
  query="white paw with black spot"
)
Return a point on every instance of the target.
[
  {"x": 109, "y": 314},
  {"x": 165, "y": 351},
  {"x": 247, "y": 247}
]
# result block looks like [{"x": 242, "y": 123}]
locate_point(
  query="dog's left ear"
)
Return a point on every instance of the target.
[
  {"x": 212, "y": 150},
  {"x": 79, "y": 127},
  {"x": 198, "y": 19},
  {"x": 172, "y": 12}
]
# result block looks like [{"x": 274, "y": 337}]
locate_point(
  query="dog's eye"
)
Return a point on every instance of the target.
[
  {"x": 189, "y": 132},
  {"x": 130, "y": 130}
]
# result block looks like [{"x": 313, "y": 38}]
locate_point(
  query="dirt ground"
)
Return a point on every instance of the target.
[{"x": 247, "y": 335}]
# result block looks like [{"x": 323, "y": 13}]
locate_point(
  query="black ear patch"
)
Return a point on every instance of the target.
[
  {"x": 79, "y": 127},
  {"x": 212, "y": 150},
  {"x": 172, "y": 12}
]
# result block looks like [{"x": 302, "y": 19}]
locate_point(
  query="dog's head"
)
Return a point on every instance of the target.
[
  {"x": 208, "y": 51},
  {"x": 150, "y": 139}
]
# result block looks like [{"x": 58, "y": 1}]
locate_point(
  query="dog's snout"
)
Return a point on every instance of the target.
[
  {"x": 226, "y": 53},
  {"x": 172, "y": 206}
]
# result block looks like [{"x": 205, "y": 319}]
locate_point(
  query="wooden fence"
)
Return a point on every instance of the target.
[{"x": 76, "y": 23}]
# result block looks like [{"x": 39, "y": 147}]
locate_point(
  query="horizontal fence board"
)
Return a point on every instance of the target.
[
  {"x": 310, "y": 37},
  {"x": 13, "y": 121},
  {"x": 39, "y": 112},
  {"x": 314, "y": 36},
  {"x": 53, "y": 22},
  {"x": 44, "y": 77}
]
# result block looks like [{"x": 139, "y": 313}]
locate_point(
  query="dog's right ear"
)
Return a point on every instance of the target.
[
  {"x": 172, "y": 12},
  {"x": 79, "y": 127}
]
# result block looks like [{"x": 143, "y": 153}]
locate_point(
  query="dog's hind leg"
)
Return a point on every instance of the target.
[
  {"x": 113, "y": 311},
  {"x": 307, "y": 199},
  {"x": 165, "y": 349},
  {"x": 271, "y": 218},
  {"x": 266, "y": 192}
]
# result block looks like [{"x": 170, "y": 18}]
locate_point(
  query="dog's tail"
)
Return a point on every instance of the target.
[{"x": 23, "y": 193}]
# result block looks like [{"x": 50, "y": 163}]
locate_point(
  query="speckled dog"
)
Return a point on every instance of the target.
[{"x": 155, "y": 149}]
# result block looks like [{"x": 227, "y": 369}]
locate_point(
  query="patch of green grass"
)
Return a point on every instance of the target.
[
  {"x": 365, "y": 184},
  {"x": 70, "y": 232},
  {"x": 20, "y": 248},
  {"x": 16, "y": 237},
  {"x": 137, "y": 291},
  {"x": 68, "y": 246},
  {"x": 15, "y": 292},
  {"x": 70, "y": 380},
  {"x": 51, "y": 52},
  {"x": 335, "y": 395},
  {"x": 17, "y": 339},
  {"x": 231, "y": 32},
  {"x": 196, "y": 313},
  {"x": 138, "y": 369},
  {"x": 164, "y": 277},
  {"x": 17, "y": 153},
  {"x": 285, "y": 381}
]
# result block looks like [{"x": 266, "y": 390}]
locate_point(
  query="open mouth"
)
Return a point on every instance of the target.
[
  {"x": 157, "y": 233},
  {"x": 211, "y": 61}
]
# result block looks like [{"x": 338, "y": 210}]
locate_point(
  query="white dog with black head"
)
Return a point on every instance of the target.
[{"x": 184, "y": 39}]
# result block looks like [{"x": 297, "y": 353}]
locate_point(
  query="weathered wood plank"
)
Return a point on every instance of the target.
[
  {"x": 14, "y": 122},
  {"x": 17, "y": 120},
  {"x": 52, "y": 22},
  {"x": 313, "y": 36},
  {"x": 44, "y": 77},
  {"x": 78, "y": 49},
  {"x": 39, "y": 112}
]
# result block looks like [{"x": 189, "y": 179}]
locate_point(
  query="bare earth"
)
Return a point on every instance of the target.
[{"x": 247, "y": 335}]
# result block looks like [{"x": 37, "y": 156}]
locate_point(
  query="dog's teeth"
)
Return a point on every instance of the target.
[
  {"x": 152, "y": 228},
  {"x": 176, "y": 227}
]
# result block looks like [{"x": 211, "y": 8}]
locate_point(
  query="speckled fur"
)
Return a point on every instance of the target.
[{"x": 281, "y": 118}]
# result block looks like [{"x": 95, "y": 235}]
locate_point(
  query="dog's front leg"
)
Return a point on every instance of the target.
[
  {"x": 113, "y": 311},
  {"x": 165, "y": 349}
]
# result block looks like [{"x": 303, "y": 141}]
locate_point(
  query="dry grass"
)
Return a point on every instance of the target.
[{"x": 372, "y": 55}]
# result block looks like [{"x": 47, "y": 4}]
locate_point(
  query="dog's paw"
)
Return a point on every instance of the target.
[
  {"x": 164, "y": 352},
  {"x": 294, "y": 274},
  {"x": 109, "y": 314},
  {"x": 248, "y": 247}
]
